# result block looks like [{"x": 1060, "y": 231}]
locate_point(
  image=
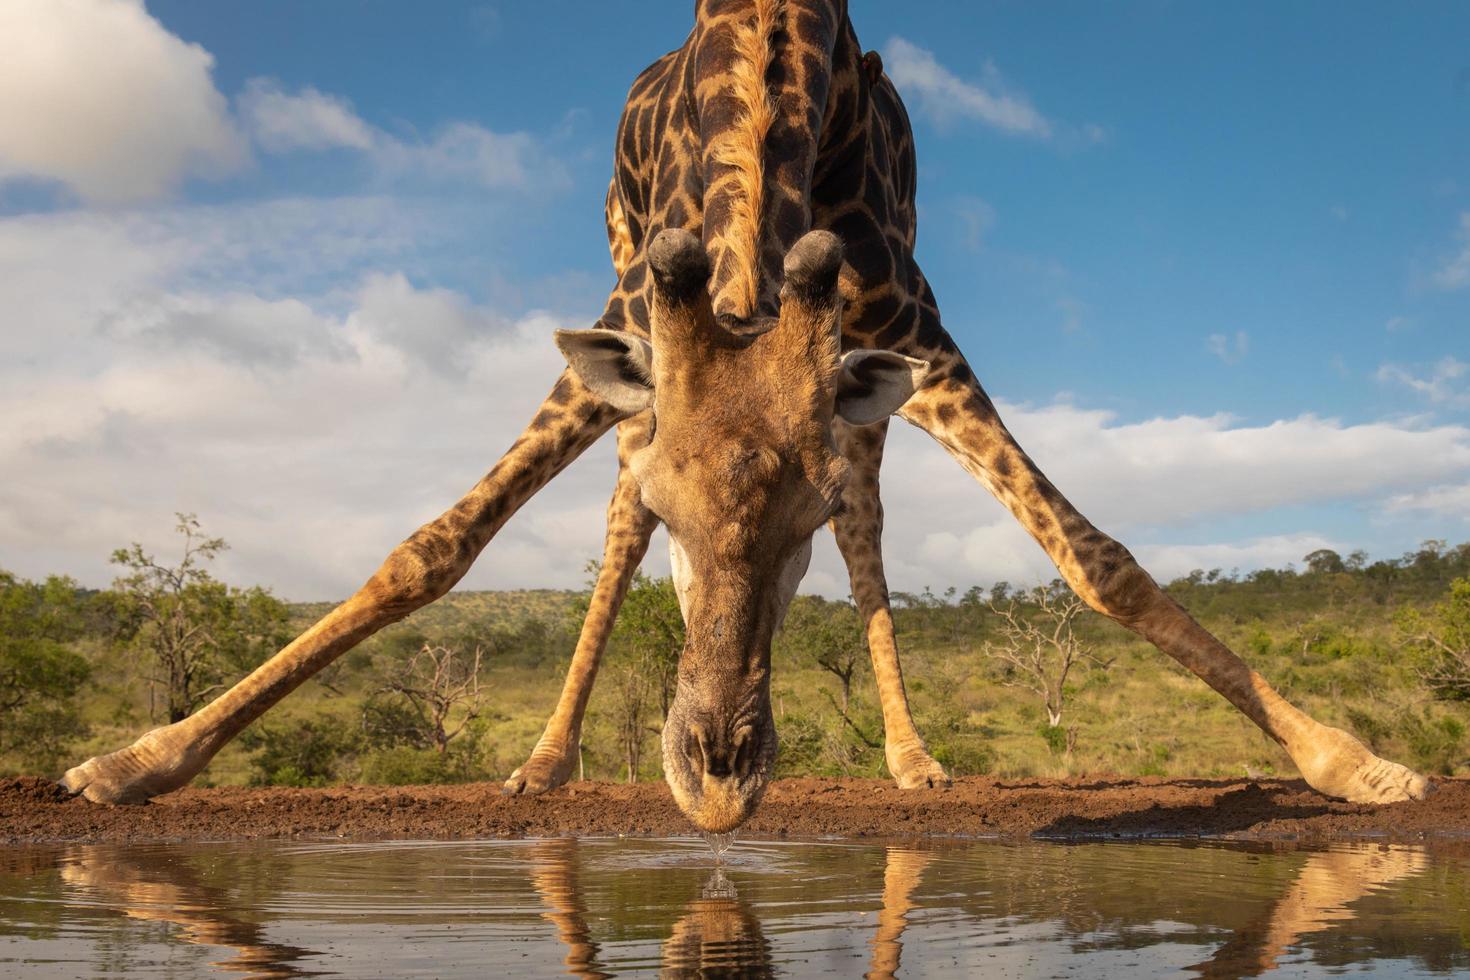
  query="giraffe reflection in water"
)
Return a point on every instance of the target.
[
  {"x": 158, "y": 887},
  {"x": 716, "y": 933},
  {"x": 1319, "y": 896}
]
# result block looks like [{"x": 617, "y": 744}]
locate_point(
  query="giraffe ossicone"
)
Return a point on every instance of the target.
[{"x": 767, "y": 318}]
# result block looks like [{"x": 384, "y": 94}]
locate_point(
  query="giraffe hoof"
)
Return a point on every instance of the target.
[
  {"x": 1381, "y": 781},
  {"x": 916, "y": 769},
  {"x": 132, "y": 775},
  {"x": 544, "y": 771},
  {"x": 1342, "y": 766}
]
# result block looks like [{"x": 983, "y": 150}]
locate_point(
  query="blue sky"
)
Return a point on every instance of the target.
[{"x": 295, "y": 267}]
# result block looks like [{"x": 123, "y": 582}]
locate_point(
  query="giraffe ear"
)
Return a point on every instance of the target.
[
  {"x": 873, "y": 384},
  {"x": 616, "y": 366}
]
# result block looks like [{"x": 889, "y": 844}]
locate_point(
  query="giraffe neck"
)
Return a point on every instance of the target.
[{"x": 762, "y": 73}]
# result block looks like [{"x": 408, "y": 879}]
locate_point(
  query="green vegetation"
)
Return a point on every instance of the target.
[{"x": 1014, "y": 683}]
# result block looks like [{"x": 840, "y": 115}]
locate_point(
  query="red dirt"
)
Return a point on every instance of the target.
[{"x": 39, "y": 811}]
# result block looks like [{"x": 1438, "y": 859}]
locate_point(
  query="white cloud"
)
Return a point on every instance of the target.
[
  {"x": 432, "y": 327},
  {"x": 1450, "y": 501},
  {"x": 1442, "y": 385},
  {"x": 66, "y": 276},
  {"x": 1454, "y": 273},
  {"x": 98, "y": 95},
  {"x": 207, "y": 359},
  {"x": 308, "y": 120},
  {"x": 1158, "y": 481},
  {"x": 1228, "y": 349},
  {"x": 944, "y": 96},
  {"x": 468, "y": 152},
  {"x": 1167, "y": 562},
  {"x": 282, "y": 121}
]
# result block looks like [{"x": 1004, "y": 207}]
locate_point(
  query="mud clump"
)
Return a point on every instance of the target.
[{"x": 38, "y": 811}]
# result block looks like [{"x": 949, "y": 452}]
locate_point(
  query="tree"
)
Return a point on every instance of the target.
[
  {"x": 649, "y": 637},
  {"x": 830, "y": 635},
  {"x": 192, "y": 627},
  {"x": 651, "y": 625},
  {"x": 1324, "y": 561},
  {"x": 1038, "y": 645},
  {"x": 632, "y": 689},
  {"x": 1441, "y": 640},
  {"x": 40, "y": 675},
  {"x": 435, "y": 685}
]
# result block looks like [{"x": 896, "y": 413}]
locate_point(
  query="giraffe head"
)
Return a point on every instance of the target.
[{"x": 742, "y": 469}]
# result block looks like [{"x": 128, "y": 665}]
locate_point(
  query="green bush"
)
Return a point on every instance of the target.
[
  {"x": 1370, "y": 727},
  {"x": 41, "y": 676},
  {"x": 1434, "y": 742},
  {"x": 306, "y": 752},
  {"x": 1055, "y": 737},
  {"x": 802, "y": 746},
  {"x": 406, "y": 766},
  {"x": 962, "y": 756}
]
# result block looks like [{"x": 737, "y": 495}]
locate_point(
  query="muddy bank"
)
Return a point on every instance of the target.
[{"x": 37, "y": 811}]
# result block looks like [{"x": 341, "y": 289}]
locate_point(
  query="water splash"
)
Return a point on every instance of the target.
[{"x": 719, "y": 843}]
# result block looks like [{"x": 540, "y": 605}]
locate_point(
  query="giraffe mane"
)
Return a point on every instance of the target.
[{"x": 741, "y": 147}]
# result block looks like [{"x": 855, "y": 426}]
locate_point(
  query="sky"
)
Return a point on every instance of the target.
[{"x": 295, "y": 268}]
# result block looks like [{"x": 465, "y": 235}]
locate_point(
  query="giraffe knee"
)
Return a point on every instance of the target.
[
  {"x": 1118, "y": 587},
  {"x": 415, "y": 573}
]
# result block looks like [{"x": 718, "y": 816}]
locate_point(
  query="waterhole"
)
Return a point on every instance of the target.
[{"x": 615, "y": 907}]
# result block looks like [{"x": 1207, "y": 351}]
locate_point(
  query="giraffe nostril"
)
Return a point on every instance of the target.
[
  {"x": 744, "y": 751},
  {"x": 694, "y": 751}
]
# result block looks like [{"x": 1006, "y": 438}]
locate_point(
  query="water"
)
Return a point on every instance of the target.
[{"x": 609, "y": 907}]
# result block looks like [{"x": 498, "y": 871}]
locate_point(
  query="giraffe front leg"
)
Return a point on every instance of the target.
[
  {"x": 629, "y": 526},
  {"x": 418, "y": 571},
  {"x": 954, "y": 409},
  {"x": 859, "y": 532}
]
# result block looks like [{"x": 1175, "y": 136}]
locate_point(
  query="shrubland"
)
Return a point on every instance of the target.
[{"x": 1004, "y": 681}]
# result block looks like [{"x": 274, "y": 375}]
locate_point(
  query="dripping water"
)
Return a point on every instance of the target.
[{"x": 719, "y": 843}]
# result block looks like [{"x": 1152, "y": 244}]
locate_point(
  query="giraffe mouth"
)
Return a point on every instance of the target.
[{"x": 718, "y": 768}]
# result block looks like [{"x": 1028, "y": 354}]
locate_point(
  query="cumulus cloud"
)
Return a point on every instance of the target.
[
  {"x": 1450, "y": 501},
  {"x": 1152, "y": 483},
  {"x": 98, "y": 95},
  {"x": 991, "y": 100},
  {"x": 307, "y": 120},
  {"x": 271, "y": 367},
  {"x": 283, "y": 121},
  {"x": 943, "y": 94},
  {"x": 1454, "y": 271},
  {"x": 1442, "y": 385}
]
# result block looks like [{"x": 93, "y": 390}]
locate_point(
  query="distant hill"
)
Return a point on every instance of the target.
[{"x": 459, "y": 613}]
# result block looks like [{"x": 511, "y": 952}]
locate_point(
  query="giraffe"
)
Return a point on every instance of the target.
[{"x": 767, "y": 319}]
